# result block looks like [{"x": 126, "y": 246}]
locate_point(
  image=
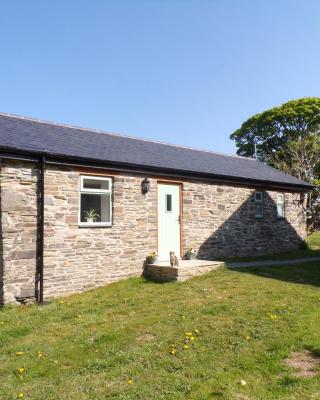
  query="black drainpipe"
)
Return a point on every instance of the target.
[{"x": 40, "y": 235}]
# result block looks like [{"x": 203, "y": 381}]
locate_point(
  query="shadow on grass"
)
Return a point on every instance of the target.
[{"x": 304, "y": 273}]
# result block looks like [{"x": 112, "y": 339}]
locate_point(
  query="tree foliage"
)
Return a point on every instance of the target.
[{"x": 288, "y": 138}]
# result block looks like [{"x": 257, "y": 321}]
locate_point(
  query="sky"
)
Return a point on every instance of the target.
[{"x": 183, "y": 72}]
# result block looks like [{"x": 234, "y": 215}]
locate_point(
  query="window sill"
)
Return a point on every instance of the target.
[{"x": 94, "y": 225}]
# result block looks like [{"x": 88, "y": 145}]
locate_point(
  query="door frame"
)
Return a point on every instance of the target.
[{"x": 175, "y": 183}]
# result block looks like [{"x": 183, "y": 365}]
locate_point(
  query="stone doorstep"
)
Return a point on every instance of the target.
[{"x": 163, "y": 272}]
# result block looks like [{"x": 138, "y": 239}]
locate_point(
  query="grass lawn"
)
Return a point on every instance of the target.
[{"x": 115, "y": 342}]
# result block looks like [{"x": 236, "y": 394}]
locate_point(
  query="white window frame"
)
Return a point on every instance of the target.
[
  {"x": 282, "y": 203},
  {"x": 258, "y": 201},
  {"x": 95, "y": 191}
]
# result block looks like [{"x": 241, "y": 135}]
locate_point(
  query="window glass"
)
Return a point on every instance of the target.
[
  {"x": 95, "y": 207},
  {"x": 258, "y": 196},
  {"x": 280, "y": 205},
  {"x": 95, "y": 200},
  {"x": 259, "y": 210},
  {"x": 259, "y": 204},
  {"x": 168, "y": 202},
  {"x": 96, "y": 184}
]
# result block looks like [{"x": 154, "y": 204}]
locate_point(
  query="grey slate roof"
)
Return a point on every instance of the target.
[{"x": 27, "y": 135}]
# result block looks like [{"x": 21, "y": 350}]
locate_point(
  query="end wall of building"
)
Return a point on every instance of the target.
[{"x": 18, "y": 186}]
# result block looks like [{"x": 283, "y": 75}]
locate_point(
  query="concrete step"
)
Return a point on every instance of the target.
[{"x": 163, "y": 272}]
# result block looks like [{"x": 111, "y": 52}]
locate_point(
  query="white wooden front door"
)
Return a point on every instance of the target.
[{"x": 168, "y": 220}]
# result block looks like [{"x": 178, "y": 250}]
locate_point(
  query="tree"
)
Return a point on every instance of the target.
[{"x": 288, "y": 138}]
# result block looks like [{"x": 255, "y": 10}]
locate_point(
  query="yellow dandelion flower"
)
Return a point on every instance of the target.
[
  {"x": 192, "y": 338},
  {"x": 20, "y": 395},
  {"x": 173, "y": 352},
  {"x": 186, "y": 347},
  {"x": 130, "y": 381},
  {"x": 21, "y": 370},
  {"x": 243, "y": 382},
  {"x": 40, "y": 354},
  {"x": 188, "y": 333},
  {"x": 247, "y": 337},
  {"x": 1, "y": 322},
  {"x": 196, "y": 331},
  {"x": 19, "y": 353}
]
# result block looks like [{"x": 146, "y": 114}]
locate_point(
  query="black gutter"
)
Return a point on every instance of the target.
[
  {"x": 158, "y": 171},
  {"x": 40, "y": 233}
]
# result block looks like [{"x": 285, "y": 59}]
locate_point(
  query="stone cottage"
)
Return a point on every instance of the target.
[{"x": 82, "y": 208}]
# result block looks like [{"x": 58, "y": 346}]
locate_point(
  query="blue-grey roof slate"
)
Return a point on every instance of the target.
[{"x": 29, "y": 135}]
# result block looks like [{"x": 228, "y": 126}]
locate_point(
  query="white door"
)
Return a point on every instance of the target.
[{"x": 168, "y": 220}]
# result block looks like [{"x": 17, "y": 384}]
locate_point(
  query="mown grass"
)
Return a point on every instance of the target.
[{"x": 91, "y": 346}]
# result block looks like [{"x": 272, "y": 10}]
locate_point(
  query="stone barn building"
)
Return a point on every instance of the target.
[{"x": 83, "y": 208}]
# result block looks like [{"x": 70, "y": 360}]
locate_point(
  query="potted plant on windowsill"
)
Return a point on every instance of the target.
[
  {"x": 91, "y": 215},
  {"x": 152, "y": 258},
  {"x": 191, "y": 254}
]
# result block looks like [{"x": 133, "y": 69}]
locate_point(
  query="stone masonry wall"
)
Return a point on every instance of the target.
[
  {"x": 78, "y": 258},
  {"x": 218, "y": 220},
  {"x": 18, "y": 229}
]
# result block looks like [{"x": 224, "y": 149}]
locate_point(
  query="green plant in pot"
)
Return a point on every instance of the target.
[
  {"x": 91, "y": 215},
  {"x": 151, "y": 258},
  {"x": 191, "y": 254}
]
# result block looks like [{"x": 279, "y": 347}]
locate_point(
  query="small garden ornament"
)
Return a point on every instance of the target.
[
  {"x": 152, "y": 257},
  {"x": 191, "y": 254},
  {"x": 174, "y": 262}
]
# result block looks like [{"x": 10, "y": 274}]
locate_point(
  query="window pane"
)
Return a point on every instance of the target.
[
  {"x": 97, "y": 184},
  {"x": 280, "y": 210},
  {"x": 105, "y": 207},
  {"x": 280, "y": 198},
  {"x": 258, "y": 210},
  {"x": 95, "y": 207},
  {"x": 168, "y": 202},
  {"x": 258, "y": 196}
]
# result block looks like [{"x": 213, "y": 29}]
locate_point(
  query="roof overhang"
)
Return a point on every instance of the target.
[{"x": 56, "y": 159}]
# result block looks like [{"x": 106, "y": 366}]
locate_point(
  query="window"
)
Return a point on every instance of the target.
[
  {"x": 280, "y": 205},
  {"x": 168, "y": 202},
  {"x": 259, "y": 204},
  {"x": 95, "y": 201}
]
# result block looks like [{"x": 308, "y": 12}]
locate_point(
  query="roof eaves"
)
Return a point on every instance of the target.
[{"x": 71, "y": 160}]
